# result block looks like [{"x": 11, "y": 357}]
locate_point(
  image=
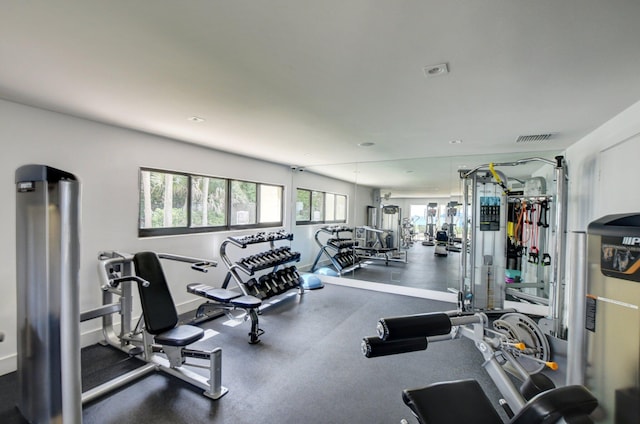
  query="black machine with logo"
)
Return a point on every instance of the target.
[
  {"x": 612, "y": 313},
  {"x": 620, "y": 245}
]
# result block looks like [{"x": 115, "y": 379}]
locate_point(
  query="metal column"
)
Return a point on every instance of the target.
[
  {"x": 576, "y": 355},
  {"x": 48, "y": 317},
  {"x": 557, "y": 297}
]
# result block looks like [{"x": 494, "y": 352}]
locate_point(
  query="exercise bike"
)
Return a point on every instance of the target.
[{"x": 513, "y": 347}]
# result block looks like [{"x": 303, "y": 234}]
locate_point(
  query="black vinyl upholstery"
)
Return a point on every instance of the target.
[
  {"x": 181, "y": 335},
  {"x": 441, "y": 403},
  {"x": 160, "y": 315},
  {"x": 157, "y": 304},
  {"x": 573, "y": 403}
]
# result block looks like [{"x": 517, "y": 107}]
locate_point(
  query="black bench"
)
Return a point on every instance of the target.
[
  {"x": 223, "y": 299},
  {"x": 464, "y": 401}
]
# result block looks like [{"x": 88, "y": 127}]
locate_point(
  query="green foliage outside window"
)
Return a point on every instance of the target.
[
  {"x": 163, "y": 200},
  {"x": 208, "y": 201},
  {"x": 176, "y": 203},
  {"x": 303, "y": 205}
]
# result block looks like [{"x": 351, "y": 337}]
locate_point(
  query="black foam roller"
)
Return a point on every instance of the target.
[
  {"x": 373, "y": 347},
  {"x": 411, "y": 326}
]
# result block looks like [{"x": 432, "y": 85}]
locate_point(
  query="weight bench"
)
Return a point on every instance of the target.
[
  {"x": 162, "y": 334},
  {"x": 433, "y": 405},
  {"x": 385, "y": 253},
  {"x": 227, "y": 300}
]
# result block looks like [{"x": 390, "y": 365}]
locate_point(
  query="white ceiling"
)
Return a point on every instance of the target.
[{"x": 303, "y": 82}]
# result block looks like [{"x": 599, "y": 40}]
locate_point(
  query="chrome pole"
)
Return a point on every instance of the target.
[{"x": 577, "y": 290}]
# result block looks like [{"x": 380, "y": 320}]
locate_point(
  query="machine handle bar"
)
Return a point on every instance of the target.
[
  {"x": 114, "y": 282},
  {"x": 198, "y": 264},
  {"x": 422, "y": 325}
]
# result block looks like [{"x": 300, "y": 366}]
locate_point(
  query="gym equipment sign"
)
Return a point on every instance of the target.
[{"x": 620, "y": 257}]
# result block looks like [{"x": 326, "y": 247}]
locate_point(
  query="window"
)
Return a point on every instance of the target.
[
  {"x": 330, "y": 207},
  {"x": 163, "y": 200},
  {"x": 341, "y": 208},
  {"x": 208, "y": 202},
  {"x": 179, "y": 203},
  {"x": 313, "y": 207},
  {"x": 303, "y": 205},
  {"x": 243, "y": 203},
  {"x": 317, "y": 206},
  {"x": 270, "y": 204}
]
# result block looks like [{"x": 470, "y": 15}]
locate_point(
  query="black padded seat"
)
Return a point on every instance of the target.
[
  {"x": 246, "y": 302},
  {"x": 220, "y": 295},
  {"x": 573, "y": 403},
  {"x": 181, "y": 335},
  {"x": 440, "y": 403},
  {"x": 224, "y": 296}
]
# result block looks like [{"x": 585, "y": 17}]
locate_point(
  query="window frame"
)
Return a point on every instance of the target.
[
  {"x": 310, "y": 220},
  {"x": 190, "y": 228}
]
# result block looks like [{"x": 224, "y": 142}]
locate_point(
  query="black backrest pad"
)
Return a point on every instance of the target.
[{"x": 157, "y": 304}]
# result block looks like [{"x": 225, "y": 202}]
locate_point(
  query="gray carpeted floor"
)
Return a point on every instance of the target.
[{"x": 308, "y": 368}]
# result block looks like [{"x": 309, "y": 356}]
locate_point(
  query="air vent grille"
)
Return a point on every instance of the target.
[{"x": 535, "y": 138}]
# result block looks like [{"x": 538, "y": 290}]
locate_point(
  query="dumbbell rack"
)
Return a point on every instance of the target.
[
  {"x": 269, "y": 284},
  {"x": 337, "y": 248}
]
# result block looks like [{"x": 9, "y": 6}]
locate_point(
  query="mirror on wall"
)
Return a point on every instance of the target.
[{"x": 410, "y": 202}]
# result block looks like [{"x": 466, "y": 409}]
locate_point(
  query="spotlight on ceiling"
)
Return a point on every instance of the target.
[{"x": 436, "y": 70}]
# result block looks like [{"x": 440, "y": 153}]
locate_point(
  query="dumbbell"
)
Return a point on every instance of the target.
[
  {"x": 277, "y": 281},
  {"x": 266, "y": 286},
  {"x": 254, "y": 289},
  {"x": 296, "y": 279}
]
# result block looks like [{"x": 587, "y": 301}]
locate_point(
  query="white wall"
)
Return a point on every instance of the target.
[
  {"x": 106, "y": 160},
  {"x": 602, "y": 170}
]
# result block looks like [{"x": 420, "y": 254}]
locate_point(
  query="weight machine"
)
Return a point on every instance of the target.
[
  {"x": 453, "y": 242},
  {"x": 407, "y": 233},
  {"x": 388, "y": 238},
  {"x": 431, "y": 213},
  {"x": 513, "y": 348},
  {"x": 151, "y": 337},
  {"x": 498, "y": 221}
]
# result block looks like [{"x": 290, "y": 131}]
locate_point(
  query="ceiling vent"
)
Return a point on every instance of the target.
[{"x": 534, "y": 138}]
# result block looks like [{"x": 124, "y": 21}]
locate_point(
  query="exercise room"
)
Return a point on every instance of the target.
[{"x": 320, "y": 212}]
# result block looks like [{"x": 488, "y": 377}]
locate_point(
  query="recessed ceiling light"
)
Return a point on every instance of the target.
[
  {"x": 455, "y": 141},
  {"x": 366, "y": 144},
  {"x": 436, "y": 70},
  {"x": 195, "y": 119}
]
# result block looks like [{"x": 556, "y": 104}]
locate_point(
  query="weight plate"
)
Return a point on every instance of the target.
[{"x": 520, "y": 327}]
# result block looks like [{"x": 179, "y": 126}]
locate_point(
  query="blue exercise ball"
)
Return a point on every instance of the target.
[
  {"x": 311, "y": 282},
  {"x": 327, "y": 271}
]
